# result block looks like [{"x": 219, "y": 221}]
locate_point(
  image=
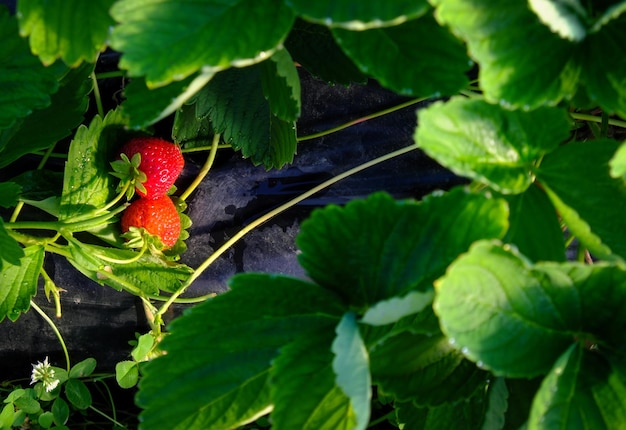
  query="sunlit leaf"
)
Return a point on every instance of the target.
[
  {"x": 169, "y": 40},
  {"x": 351, "y": 367},
  {"x": 566, "y": 18},
  {"x": 488, "y": 143},
  {"x": 87, "y": 183},
  {"x": 499, "y": 310},
  {"x": 106, "y": 265},
  {"x": 390, "y": 311},
  {"x": 522, "y": 63},
  {"x": 73, "y": 30},
  {"x": 19, "y": 281},
  {"x": 485, "y": 307},
  {"x": 359, "y": 15},
  {"x": 388, "y": 248}
]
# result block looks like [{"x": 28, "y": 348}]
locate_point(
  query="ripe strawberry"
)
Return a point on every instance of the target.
[
  {"x": 158, "y": 216},
  {"x": 158, "y": 168}
]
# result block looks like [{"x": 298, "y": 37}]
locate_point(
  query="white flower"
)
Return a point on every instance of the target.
[{"x": 45, "y": 373}]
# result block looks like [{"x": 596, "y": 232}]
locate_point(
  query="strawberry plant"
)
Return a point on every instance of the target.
[{"x": 498, "y": 304}]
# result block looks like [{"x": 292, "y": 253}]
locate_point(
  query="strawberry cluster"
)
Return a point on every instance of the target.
[{"x": 149, "y": 166}]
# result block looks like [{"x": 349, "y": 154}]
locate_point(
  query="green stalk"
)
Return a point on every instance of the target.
[
  {"x": 204, "y": 170},
  {"x": 598, "y": 119},
  {"x": 56, "y": 332},
  {"x": 364, "y": 118},
  {"x": 256, "y": 223},
  {"x": 96, "y": 94}
]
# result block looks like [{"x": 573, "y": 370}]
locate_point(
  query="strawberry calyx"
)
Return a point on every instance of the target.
[
  {"x": 140, "y": 238},
  {"x": 129, "y": 174}
]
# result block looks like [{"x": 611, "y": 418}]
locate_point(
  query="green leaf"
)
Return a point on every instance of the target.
[
  {"x": 61, "y": 411},
  {"x": 390, "y": 311},
  {"x": 618, "y": 163},
  {"x": 492, "y": 308},
  {"x": 602, "y": 69},
  {"x": 423, "y": 368},
  {"x": 488, "y": 143},
  {"x": 219, "y": 354},
  {"x": 351, "y": 365},
  {"x": 583, "y": 390},
  {"x": 27, "y": 404},
  {"x": 190, "y": 130},
  {"x": 7, "y": 415},
  {"x": 467, "y": 415},
  {"x": 522, "y": 63},
  {"x": 297, "y": 402},
  {"x": 146, "y": 106},
  {"x": 45, "y": 127},
  {"x": 87, "y": 184},
  {"x": 78, "y": 394},
  {"x": 484, "y": 410},
  {"x": 499, "y": 309},
  {"x": 498, "y": 404},
  {"x": 19, "y": 281},
  {"x": 374, "y": 249},
  {"x": 83, "y": 368},
  {"x": 46, "y": 420},
  {"x": 145, "y": 342},
  {"x": 127, "y": 374},
  {"x": 72, "y": 30},
  {"x": 25, "y": 84},
  {"x": 534, "y": 226},
  {"x": 39, "y": 184},
  {"x": 236, "y": 106},
  {"x": 407, "y": 60},
  {"x": 9, "y": 194},
  {"x": 592, "y": 203},
  {"x": 359, "y": 15},
  {"x": 281, "y": 85},
  {"x": 314, "y": 47},
  {"x": 108, "y": 266},
  {"x": 565, "y": 18},
  {"x": 10, "y": 250},
  {"x": 207, "y": 35}
]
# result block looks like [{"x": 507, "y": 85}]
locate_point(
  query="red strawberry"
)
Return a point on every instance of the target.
[
  {"x": 161, "y": 162},
  {"x": 158, "y": 216}
]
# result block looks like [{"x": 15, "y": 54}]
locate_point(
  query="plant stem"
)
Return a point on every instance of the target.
[
  {"x": 254, "y": 224},
  {"x": 96, "y": 93},
  {"x": 42, "y": 163},
  {"x": 56, "y": 332},
  {"x": 114, "y": 74},
  {"x": 64, "y": 226},
  {"x": 204, "y": 170},
  {"x": 598, "y": 119},
  {"x": 205, "y": 148},
  {"x": 364, "y": 118},
  {"x": 113, "y": 420},
  {"x": 51, "y": 286}
]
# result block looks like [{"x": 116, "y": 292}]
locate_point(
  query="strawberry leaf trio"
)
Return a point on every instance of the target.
[{"x": 149, "y": 166}]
